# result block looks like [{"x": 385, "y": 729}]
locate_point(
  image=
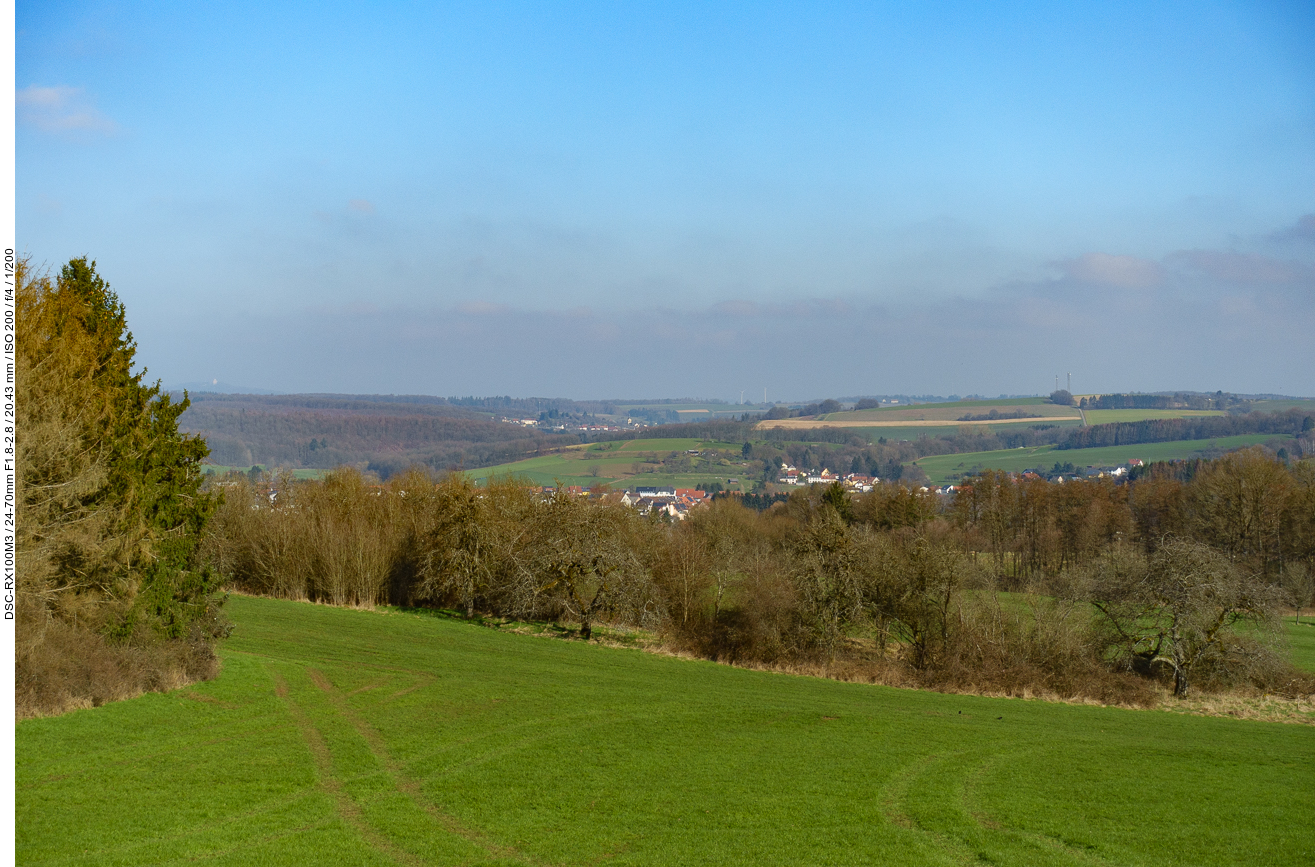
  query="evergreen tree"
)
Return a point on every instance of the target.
[{"x": 109, "y": 490}]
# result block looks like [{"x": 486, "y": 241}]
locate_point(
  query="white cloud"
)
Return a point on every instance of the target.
[{"x": 61, "y": 109}]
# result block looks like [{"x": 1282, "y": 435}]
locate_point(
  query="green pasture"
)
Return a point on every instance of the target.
[
  {"x": 1301, "y": 639},
  {"x": 1307, "y": 404},
  {"x": 894, "y": 433},
  {"x": 347, "y": 737},
  {"x": 944, "y": 468},
  {"x": 549, "y": 470},
  {"x": 1109, "y": 416},
  {"x": 615, "y": 463},
  {"x": 662, "y": 446}
]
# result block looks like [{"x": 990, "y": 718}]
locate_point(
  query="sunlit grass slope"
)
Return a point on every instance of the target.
[
  {"x": 1108, "y": 416},
  {"x": 617, "y": 462},
  {"x": 363, "y": 738}
]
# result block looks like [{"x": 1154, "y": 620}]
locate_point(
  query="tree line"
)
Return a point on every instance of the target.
[{"x": 1087, "y": 589}]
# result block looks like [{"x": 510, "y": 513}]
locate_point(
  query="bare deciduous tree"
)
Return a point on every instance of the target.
[{"x": 1179, "y": 607}]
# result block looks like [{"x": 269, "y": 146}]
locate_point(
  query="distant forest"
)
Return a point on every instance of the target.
[{"x": 382, "y": 434}]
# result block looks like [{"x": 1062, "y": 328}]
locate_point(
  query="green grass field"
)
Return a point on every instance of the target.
[
  {"x": 1307, "y": 404},
  {"x": 944, "y": 468},
  {"x": 1108, "y": 416},
  {"x": 616, "y": 462},
  {"x": 1301, "y": 638},
  {"x": 368, "y": 738},
  {"x": 873, "y": 433}
]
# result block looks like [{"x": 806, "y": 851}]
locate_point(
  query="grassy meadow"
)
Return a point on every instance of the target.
[
  {"x": 1307, "y": 404},
  {"x": 355, "y": 737},
  {"x": 1301, "y": 640},
  {"x": 1110, "y": 416},
  {"x": 628, "y": 462},
  {"x": 894, "y": 433},
  {"x": 944, "y": 468}
]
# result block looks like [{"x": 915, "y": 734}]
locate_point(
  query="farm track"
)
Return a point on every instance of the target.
[
  {"x": 362, "y": 797},
  {"x": 933, "y": 797}
]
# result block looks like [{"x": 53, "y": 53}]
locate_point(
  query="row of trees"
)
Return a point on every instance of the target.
[{"x": 1109, "y": 586}]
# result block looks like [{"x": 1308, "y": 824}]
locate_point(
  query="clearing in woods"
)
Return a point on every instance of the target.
[{"x": 373, "y": 738}]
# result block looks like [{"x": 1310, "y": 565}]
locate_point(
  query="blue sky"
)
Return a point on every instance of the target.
[{"x": 635, "y": 199}]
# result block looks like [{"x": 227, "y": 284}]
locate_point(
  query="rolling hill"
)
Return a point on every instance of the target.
[{"x": 371, "y": 738}]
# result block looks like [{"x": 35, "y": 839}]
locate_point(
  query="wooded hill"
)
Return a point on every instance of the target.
[{"x": 382, "y": 433}]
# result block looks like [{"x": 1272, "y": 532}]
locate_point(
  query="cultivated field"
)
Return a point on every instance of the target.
[
  {"x": 364, "y": 738},
  {"x": 945, "y": 468}
]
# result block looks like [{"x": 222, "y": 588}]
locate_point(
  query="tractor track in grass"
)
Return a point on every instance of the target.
[
  {"x": 403, "y": 782},
  {"x": 347, "y": 808},
  {"x": 933, "y": 797}
]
